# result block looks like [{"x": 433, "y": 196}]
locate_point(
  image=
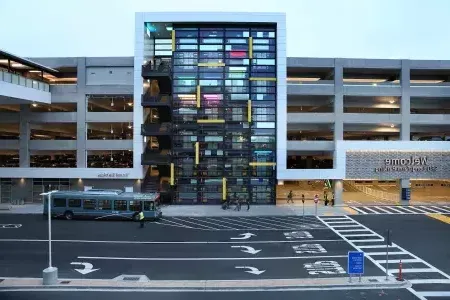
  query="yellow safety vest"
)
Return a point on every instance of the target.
[{"x": 141, "y": 215}]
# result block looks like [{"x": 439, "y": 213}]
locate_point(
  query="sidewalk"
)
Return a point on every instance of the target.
[
  {"x": 217, "y": 211},
  {"x": 209, "y": 285}
]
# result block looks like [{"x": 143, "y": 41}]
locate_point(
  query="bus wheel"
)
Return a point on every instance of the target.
[{"x": 68, "y": 215}]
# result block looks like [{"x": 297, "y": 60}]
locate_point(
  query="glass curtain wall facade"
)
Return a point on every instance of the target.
[{"x": 224, "y": 112}]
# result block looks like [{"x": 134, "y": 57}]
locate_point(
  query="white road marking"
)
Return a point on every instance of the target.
[
  {"x": 359, "y": 210},
  {"x": 208, "y": 258},
  {"x": 367, "y": 241},
  {"x": 351, "y": 230},
  {"x": 372, "y": 210},
  {"x": 353, "y": 235},
  {"x": 182, "y": 220},
  {"x": 416, "y": 209},
  {"x": 429, "y": 281},
  {"x": 283, "y": 222},
  {"x": 384, "y": 253},
  {"x": 228, "y": 223},
  {"x": 434, "y": 294},
  {"x": 430, "y": 268},
  {"x": 428, "y": 209},
  {"x": 414, "y": 270},
  {"x": 395, "y": 261},
  {"x": 341, "y": 222},
  {"x": 394, "y": 209},
  {"x": 442, "y": 209},
  {"x": 347, "y": 226},
  {"x": 201, "y": 220},
  {"x": 178, "y": 224},
  {"x": 405, "y": 209},
  {"x": 168, "y": 242},
  {"x": 383, "y": 210},
  {"x": 246, "y": 223},
  {"x": 264, "y": 223}
]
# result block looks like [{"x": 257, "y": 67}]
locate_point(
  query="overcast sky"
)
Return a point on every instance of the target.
[{"x": 315, "y": 28}]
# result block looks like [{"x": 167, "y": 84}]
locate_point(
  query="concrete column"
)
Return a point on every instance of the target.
[
  {"x": 338, "y": 187},
  {"x": 338, "y": 105},
  {"x": 24, "y": 127},
  {"x": 81, "y": 113},
  {"x": 405, "y": 104}
]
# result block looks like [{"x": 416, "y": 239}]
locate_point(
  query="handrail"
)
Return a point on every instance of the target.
[
  {"x": 376, "y": 193},
  {"x": 23, "y": 81}
]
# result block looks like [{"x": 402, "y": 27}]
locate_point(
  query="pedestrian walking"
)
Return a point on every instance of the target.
[
  {"x": 290, "y": 197},
  {"x": 141, "y": 218},
  {"x": 325, "y": 198}
]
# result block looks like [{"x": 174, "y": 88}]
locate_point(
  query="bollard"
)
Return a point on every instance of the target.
[{"x": 400, "y": 277}]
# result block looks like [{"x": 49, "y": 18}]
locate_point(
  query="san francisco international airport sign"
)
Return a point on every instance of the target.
[{"x": 397, "y": 164}]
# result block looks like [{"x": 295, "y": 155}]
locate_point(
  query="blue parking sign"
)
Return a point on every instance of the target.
[{"x": 355, "y": 263}]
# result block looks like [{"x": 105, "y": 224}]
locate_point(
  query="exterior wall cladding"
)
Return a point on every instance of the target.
[{"x": 225, "y": 139}]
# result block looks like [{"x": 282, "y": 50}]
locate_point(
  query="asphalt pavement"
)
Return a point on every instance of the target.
[
  {"x": 375, "y": 294},
  {"x": 225, "y": 248}
]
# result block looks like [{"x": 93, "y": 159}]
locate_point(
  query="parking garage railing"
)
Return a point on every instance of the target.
[{"x": 23, "y": 81}]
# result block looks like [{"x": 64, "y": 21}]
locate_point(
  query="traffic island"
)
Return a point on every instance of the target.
[{"x": 122, "y": 283}]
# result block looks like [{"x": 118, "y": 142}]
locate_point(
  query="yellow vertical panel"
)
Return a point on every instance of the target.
[
  {"x": 173, "y": 40},
  {"x": 197, "y": 153},
  {"x": 250, "y": 47},
  {"x": 172, "y": 174},
  {"x": 198, "y": 96},
  {"x": 224, "y": 188},
  {"x": 249, "y": 111}
]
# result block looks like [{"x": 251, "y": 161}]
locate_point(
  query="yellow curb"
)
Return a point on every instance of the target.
[
  {"x": 440, "y": 217},
  {"x": 351, "y": 211}
]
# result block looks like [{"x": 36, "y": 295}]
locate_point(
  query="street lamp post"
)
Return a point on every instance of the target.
[{"x": 50, "y": 274}]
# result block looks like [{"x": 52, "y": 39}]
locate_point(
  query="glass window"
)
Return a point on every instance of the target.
[
  {"x": 186, "y": 41},
  {"x": 89, "y": 204},
  {"x": 185, "y": 82},
  {"x": 236, "y": 47},
  {"x": 74, "y": 202},
  {"x": 236, "y": 82},
  {"x": 263, "y": 68},
  {"x": 244, "y": 61},
  {"x": 185, "y": 54},
  {"x": 260, "y": 61},
  {"x": 135, "y": 205},
  {"x": 237, "y": 34},
  {"x": 263, "y": 97},
  {"x": 163, "y": 47},
  {"x": 187, "y": 90},
  {"x": 263, "y": 48},
  {"x": 263, "y": 34},
  {"x": 211, "y": 33},
  {"x": 211, "y": 54},
  {"x": 263, "y": 89},
  {"x": 185, "y": 33},
  {"x": 185, "y": 76},
  {"x": 186, "y": 47},
  {"x": 236, "y": 54},
  {"x": 149, "y": 206},
  {"x": 120, "y": 205},
  {"x": 264, "y": 125},
  {"x": 104, "y": 204},
  {"x": 211, "y": 69},
  {"x": 59, "y": 202},
  {"x": 163, "y": 53},
  {"x": 212, "y": 41},
  {"x": 237, "y": 89},
  {"x": 236, "y": 75},
  {"x": 185, "y": 69},
  {"x": 264, "y": 55},
  {"x": 185, "y": 61},
  {"x": 237, "y": 41},
  {"x": 211, "y": 82},
  {"x": 238, "y": 96},
  {"x": 264, "y": 41},
  {"x": 213, "y": 75},
  {"x": 211, "y": 47}
]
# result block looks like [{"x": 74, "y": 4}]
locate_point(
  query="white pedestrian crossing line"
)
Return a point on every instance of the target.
[
  {"x": 351, "y": 230},
  {"x": 377, "y": 250},
  {"x": 362, "y": 234},
  {"x": 397, "y": 209}
]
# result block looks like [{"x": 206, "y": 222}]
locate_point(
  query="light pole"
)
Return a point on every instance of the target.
[{"x": 50, "y": 274}]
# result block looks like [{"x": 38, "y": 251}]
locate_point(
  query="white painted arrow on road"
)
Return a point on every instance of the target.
[
  {"x": 243, "y": 236},
  {"x": 247, "y": 249},
  {"x": 87, "y": 267},
  {"x": 10, "y": 226},
  {"x": 252, "y": 270}
]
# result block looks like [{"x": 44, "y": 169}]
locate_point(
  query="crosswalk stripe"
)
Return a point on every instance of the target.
[
  {"x": 250, "y": 225},
  {"x": 394, "y": 209},
  {"x": 359, "y": 210},
  {"x": 228, "y": 223},
  {"x": 207, "y": 222},
  {"x": 394, "y": 261},
  {"x": 347, "y": 226},
  {"x": 283, "y": 223},
  {"x": 415, "y": 208},
  {"x": 264, "y": 223},
  {"x": 429, "y": 209},
  {"x": 434, "y": 294},
  {"x": 383, "y": 210},
  {"x": 375, "y": 246},
  {"x": 442, "y": 209},
  {"x": 374, "y": 211},
  {"x": 384, "y": 253},
  {"x": 366, "y": 234},
  {"x": 429, "y": 281},
  {"x": 415, "y": 270},
  {"x": 366, "y": 241},
  {"x": 405, "y": 209},
  {"x": 186, "y": 221},
  {"x": 351, "y": 230}
]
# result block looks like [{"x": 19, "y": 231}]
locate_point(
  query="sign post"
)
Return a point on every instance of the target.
[
  {"x": 355, "y": 264},
  {"x": 388, "y": 243}
]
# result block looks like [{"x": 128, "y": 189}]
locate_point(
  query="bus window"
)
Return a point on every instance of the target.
[
  {"x": 74, "y": 202},
  {"x": 120, "y": 205},
  {"x": 149, "y": 205},
  {"x": 59, "y": 202},
  {"x": 104, "y": 204},
  {"x": 135, "y": 205},
  {"x": 89, "y": 204}
]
